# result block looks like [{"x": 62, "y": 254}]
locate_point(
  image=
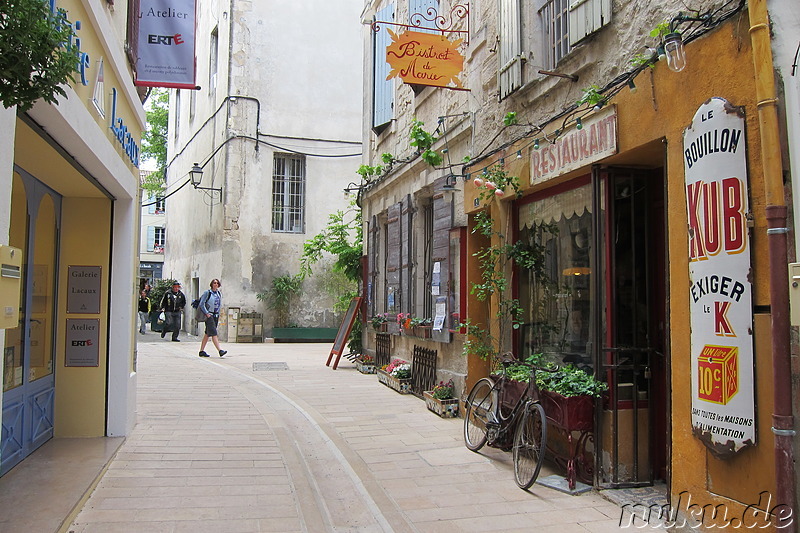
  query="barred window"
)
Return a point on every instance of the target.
[
  {"x": 555, "y": 19},
  {"x": 288, "y": 194}
]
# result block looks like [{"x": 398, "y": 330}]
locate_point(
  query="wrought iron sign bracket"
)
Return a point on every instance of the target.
[{"x": 435, "y": 22}]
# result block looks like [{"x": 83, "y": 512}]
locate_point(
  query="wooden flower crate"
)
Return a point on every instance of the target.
[
  {"x": 443, "y": 408},
  {"x": 403, "y": 386}
]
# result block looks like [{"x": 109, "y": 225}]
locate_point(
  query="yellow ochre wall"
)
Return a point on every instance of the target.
[
  {"x": 81, "y": 391},
  {"x": 719, "y": 65}
]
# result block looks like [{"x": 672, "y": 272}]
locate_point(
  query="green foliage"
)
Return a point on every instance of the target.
[
  {"x": 161, "y": 287},
  {"x": 480, "y": 342},
  {"x": 660, "y": 30},
  {"x": 378, "y": 320},
  {"x": 510, "y": 119},
  {"x": 280, "y": 295},
  {"x": 642, "y": 59},
  {"x": 343, "y": 238},
  {"x": 37, "y": 54},
  {"x": 154, "y": 139},
  {"x": 387, "y": 158},
  {"x": 423, "y": 141},
  {"x": 367, "y": 172},
  {"x": 571, "y": 381},
  {"x": 591, "y": 96}
]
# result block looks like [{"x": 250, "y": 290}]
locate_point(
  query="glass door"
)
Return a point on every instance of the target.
[{"x": 28, "y": 377}]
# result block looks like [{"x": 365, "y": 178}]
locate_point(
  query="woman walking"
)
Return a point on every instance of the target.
[{"x": 210, "y": 305}]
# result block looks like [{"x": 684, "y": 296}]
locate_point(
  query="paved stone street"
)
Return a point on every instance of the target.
[{"x": 296, "y": 446}]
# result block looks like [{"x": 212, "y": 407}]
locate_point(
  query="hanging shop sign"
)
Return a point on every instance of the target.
[
  {"x": 596, "y": 139},
  {"x": 425, "y": 59},
  {"x": 720, "y": 295},
  {"x": 166, "y": 44}
]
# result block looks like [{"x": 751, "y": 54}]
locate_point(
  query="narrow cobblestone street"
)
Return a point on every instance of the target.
[{"x": 221, "y": 447}]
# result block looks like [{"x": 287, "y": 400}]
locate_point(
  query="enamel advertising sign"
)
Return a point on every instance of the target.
[
  {"x": 166, "y": 44},
  {"x": 720, "y": 293},
  {"x": 425, "y": 59}
]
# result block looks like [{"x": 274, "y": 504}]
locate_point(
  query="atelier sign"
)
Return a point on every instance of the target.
[
  {"x": 83, "y": 289},
  {"x": 83, "y": 342},
  {"x": 720, "y": 294}
]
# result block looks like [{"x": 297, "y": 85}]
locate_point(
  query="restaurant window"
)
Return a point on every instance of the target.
[{"x": 555, "y": 294}]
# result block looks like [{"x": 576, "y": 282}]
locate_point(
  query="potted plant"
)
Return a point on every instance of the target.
[
  {"x": 567, "y": 396},
  {"x": 441, "y": 399},
  {"x": 365, "y": 364},
  {"x": 421, "y": 327},
  {"x": 396, "y": 375},
  {"x": 378, "y": 322}
]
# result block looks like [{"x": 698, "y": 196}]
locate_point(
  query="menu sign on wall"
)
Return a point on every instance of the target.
[
  {"x": 83, "y": 342},
  {"x": 83, "y": 289},
  {"x": 720, "y": 295}
]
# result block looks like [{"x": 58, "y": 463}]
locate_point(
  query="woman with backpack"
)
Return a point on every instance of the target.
[{"x": 208, "y": 311}]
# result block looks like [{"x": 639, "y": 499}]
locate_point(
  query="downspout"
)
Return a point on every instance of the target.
[{"x": 776, "y": 212}]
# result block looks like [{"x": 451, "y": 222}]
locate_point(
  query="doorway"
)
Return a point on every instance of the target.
[
  {"x": 632, "y": 429},
  {"x": 28, "y": 351}
]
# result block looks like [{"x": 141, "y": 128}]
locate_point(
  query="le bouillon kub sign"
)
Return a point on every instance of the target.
[{"x": 720, "y": 295}]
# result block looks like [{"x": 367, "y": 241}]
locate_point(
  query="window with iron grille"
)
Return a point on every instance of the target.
[
  {"x": 555, "y": 20},
  {"x": 288, "y": 194}
]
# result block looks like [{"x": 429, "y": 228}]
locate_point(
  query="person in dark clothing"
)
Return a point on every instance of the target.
[
  {"x": 172, "y": 304},
  {"x": 144, "y": 311}
]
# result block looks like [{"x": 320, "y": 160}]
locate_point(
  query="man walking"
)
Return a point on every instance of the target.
[{"x": 173, "y": 303}]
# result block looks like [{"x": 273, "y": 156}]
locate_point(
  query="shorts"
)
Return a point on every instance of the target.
[{"x": 211, "y": 325}]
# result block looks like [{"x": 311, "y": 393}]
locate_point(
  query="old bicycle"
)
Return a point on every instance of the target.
[{"x": 495, "y": 417}]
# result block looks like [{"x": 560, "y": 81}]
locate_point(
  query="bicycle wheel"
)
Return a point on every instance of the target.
[
  {"x": 480, "y": 407},
  {"x": 530, "y": 441}
]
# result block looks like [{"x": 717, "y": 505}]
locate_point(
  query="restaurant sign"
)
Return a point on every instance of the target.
[
  {"x": 596, "y": 139},
  {"x": 720, "y": 294},
  {"x": 425, "y": 59}
]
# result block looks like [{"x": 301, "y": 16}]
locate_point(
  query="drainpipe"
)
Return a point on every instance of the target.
[{"x": 776, "y": 211}]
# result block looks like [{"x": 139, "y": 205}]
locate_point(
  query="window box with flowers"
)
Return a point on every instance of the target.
[
  {"x": 441, "y": 400},
  {"x": 379, "y": 322},
  {"x": 365, "y": 364},
  {"x": 418, "y": 327},
  {"x": 396, "y": 375}
]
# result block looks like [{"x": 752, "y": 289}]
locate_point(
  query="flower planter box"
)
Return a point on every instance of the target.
[
  {"x": 365, "y": 368},
  {"x": 403, "y": 386},
  {"x": 443, "y": 408},
  {"x": 573, "y": 414}
]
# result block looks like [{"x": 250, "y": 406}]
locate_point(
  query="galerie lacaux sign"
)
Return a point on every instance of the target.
[{"x": 720, "y": 295}]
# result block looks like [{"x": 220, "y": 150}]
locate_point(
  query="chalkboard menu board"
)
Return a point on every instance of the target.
[{"x": 344, "y": 331}]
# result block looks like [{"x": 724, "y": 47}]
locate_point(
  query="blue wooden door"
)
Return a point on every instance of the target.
[{"x": 28, "y": 352}]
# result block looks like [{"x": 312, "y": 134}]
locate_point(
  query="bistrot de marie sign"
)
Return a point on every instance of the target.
[
  {"x": 720, "y": 293},
  {"x": 425, "y": 59}
]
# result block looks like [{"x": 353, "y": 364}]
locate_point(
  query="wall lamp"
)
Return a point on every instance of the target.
[
  {"x": 673, "y": 41},
  {"x": 196, "y": 176}
]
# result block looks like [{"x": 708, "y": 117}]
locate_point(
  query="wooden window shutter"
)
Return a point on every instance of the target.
[
  {"x": 510, "y": 71},
  {"x": 393, "y": 258},
  {"x": 132, "y": 37},
  {"x": 442, "y": 222},
  {"x": 383, "y": 89},
  {"x": 586, "y": 17},
  {"x": 421, "y": 7},
  {"x": 407, "y": 255},
  {"x": 373, "y": 268},
  {"x": 151, "y": 238}
]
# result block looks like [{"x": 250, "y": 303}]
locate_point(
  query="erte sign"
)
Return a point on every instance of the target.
[
  {"x": 720, "y": 294},
  {"x": 425, "y": 59}
]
